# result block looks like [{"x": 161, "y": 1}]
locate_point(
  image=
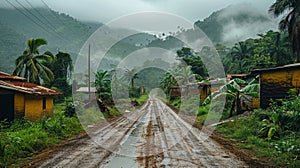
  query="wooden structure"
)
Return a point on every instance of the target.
[
  {"x": 276, "y": 82},
  {"x": 204, "y": 89},
  {"x": 239, "y": 76},
  {"x": 19, "y": 99},
  {"x": 88, "y": 94}
]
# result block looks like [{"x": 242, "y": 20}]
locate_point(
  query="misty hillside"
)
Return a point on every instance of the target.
[
  {"x": 227, "y": 26},
  {"x": 67, "y": 34},
  {"x": 11, "y": 43},
  {"x": 234, "y": 23},
  {"x": 62, "y": 32}
]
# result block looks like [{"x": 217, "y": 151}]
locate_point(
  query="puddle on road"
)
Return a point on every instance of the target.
[{"x": 126, "y": 156}]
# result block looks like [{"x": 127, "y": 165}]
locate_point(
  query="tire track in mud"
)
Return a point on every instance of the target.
[
  {"x": 180, "y": 144},
  {"x": 150, "y": 154},
  {"x": 163, "y": 139},
  {"x": 90, "y": 152},
  {"x": 201, "y": 151}
]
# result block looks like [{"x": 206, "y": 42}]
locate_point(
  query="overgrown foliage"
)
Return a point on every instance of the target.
[
  {"x": 272, "y": 133},
  {"x": 22, "y": 138},
  {"x": 235, "y": 91},
  {"x": 290, "y": 22},
  {"x": 62, "y": 67},
  {"x": 268, "y": 50}
]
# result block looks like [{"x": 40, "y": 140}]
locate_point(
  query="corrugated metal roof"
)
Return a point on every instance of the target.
[
  {"x": 289, "y": 66},
  {"x": 19, "y": 84},
  {"x": 4, "y": 75},
  {"x": 208, "y": 83},
  {"x": 86, "y": 89},
  {"x": 236, "y": 75}
]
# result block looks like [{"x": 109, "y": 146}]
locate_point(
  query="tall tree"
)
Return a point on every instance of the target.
[
  {"x": 291, "y": 22},
  {"x": 32, "y": 63},
  {"x": 184, "y": 74},
  {"x": 167, "y": 82},
  {"x": 274, "y": 45},
  {"x": 193, "y": 59},
  {"x": 131, "y": 75},
  {"x": 62, "y": 68},
  {"x": 241, "y": 52}
]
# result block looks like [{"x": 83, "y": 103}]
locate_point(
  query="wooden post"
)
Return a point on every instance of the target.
[{"x": 89, "y": 72}]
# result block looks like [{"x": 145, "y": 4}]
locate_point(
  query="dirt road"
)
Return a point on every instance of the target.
[{"x": 153, "y": 136}]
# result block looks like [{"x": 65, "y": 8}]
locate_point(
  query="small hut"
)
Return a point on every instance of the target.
[
  {"x": 19, "y": 98},
  {"x": 275, "y": 83}
]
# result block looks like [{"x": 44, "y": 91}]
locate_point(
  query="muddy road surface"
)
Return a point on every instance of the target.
[{"x": 152, "y": 136}]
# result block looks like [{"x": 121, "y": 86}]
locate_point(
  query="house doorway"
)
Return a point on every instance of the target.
[{"x": 6, "y": 107}]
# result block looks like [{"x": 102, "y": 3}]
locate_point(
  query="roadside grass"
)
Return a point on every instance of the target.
[
  {"x": 142, "y": 99},
  {"x": 22, "y": 139},
  {"x": 91, "y": 116},
  {"x": 244, "y": 133},
  {"x": 272, "y": 135}
]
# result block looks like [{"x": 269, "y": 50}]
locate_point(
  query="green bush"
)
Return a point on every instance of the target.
[
  {"x": 272, "y": 133},
  {"x": 176, "y": 102},
  {"x": 135, "y": 92},
  {"x": 203, "y": 110},
  {"x": 24, "y": 138},
  {"x": 283, "y": 116},
  {"x": 70, "y": 110}
]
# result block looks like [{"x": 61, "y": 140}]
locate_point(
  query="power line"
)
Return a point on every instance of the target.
[
  {"x": 39, "y": 19},
  {"x": 41, "y": 15},
  {"x": 58, "y": 18},
  {"x": 46, "y": 19},
  {"x": 52, "y": 13},
  {"x": 27, "y": 16},
  {"x": 4, "y": 4}
]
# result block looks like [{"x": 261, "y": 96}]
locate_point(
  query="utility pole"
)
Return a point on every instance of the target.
[{"x": 89, "y": 72}]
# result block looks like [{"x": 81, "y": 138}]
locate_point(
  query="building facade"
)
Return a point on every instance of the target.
[
  {"x": 275, "y": 83},
  {"x": 21, "y": 99}
]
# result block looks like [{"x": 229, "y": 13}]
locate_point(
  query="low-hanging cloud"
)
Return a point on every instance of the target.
[
  {"x": 107, "y": 10},
  {"x": 258, "y": 22}
]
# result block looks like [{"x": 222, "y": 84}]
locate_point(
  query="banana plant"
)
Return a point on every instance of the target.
[
  {"x": 233, "y": 89},
  {"x": 270, "y": 126}
]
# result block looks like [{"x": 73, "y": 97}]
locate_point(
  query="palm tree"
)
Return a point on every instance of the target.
[
  {"x": 167, "y": 82},
  {"x": 272, "y": 49},
  {"x": 32, "y": 63},
  {"x": 240, "y": 53},
  {"x": 279, "y": 46},
  {"x": 62, "y": 68},
  {"x": 184, "y": 75},
  {"x": 290, "y": 22}
]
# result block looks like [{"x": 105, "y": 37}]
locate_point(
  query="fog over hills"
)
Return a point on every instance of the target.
[
  {"x": 68, "y": 34},
  {"x": 235, "y": 23}
]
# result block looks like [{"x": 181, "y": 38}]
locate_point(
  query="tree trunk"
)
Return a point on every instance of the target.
[
  {"x": 232, "y": 108},
  {"x": 26, "y": 73},
  {"x": 298, "y": 56},
  {"x": 238, "y": 104},
  {"x": 132, "y": 83}
]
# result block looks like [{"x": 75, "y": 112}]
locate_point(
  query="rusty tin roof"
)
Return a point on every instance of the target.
[
  {"x": 19, "y": 84},
  {"x": 280, "y": 68}
]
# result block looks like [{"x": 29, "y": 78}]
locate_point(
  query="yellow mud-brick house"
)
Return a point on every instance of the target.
[
  {"x": 275, "y": 83},
  {"x": 19, "y": 98}
]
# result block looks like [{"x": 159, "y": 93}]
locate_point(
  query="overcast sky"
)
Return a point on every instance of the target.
[{"x": 106, "y": 10}]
